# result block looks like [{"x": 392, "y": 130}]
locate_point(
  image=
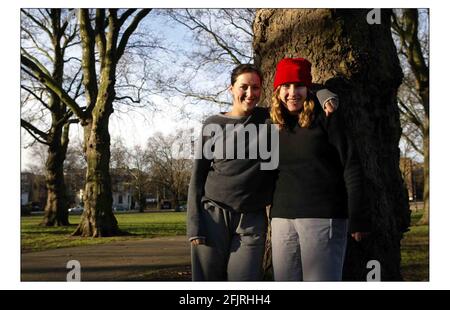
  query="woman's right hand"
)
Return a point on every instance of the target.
[
  {"x": 198, "y": 241},
  {"x": 330, "y": 106},
  {"x": 358, "y": 236}
]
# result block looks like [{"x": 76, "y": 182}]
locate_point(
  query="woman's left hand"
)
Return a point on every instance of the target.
[{"x": 358, "y": 236}]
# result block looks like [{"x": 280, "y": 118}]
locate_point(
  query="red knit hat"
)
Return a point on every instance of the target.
[{"x": 293, "y": 70}]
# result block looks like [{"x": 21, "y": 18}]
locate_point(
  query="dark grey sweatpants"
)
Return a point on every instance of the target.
[{"x": 234, "y": 248}]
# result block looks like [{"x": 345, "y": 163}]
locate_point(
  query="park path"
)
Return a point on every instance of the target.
[{"x": 155, "y": 259}]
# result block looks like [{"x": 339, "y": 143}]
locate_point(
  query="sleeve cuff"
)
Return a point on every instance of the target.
[
  {"x": 324, "y": 95},
  {"x": 336, "y": 102},
  {"x": 196, "y": 237}
]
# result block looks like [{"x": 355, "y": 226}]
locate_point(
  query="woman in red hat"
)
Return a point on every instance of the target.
[{"x": 318, "y": 191}]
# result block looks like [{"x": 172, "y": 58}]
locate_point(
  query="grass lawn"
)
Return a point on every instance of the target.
[
  {"x": 141, "y": 225},
  {"x": 415, "y": 251}
]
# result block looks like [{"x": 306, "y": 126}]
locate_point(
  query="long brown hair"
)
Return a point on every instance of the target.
[{"x": 305, "y": 117}]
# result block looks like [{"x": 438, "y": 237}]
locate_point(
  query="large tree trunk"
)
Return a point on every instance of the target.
[
  {"x": 141, "y": 200},
  {"x": 98, "y": 219},
  {"x": 175, "y": 201},
  {"x": 426, "y": 179},
  {"x": 359, "y": 62},
  {"x": 56, "y": 208}
]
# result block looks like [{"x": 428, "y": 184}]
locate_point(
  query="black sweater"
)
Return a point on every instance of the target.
[{"x": 319, "y": 174}]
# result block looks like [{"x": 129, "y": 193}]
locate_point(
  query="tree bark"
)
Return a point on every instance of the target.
[
  {"x": 98, "y": 219},
  {"x": 358, "y": 61},
  {"x": 425, "y": 219},
  {"x": 56, "y": 208},
  {"x": 141, "y": 200},
  {"x": 175, "y": 201}
]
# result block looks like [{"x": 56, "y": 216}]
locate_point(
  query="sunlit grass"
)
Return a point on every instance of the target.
[{"x": 140, "y": 225}]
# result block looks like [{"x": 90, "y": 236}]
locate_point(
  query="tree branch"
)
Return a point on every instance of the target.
[
  {"x": 412, "y": 117},
  {"x": 132, "y": 27},
  {"x": 37, "y": 62},
  {"x": 37, "y": 22},
  {"x": 71, "y": 37},
  {"x": 74, "y": 79},
  {"x": 100, "y": 35},
  {"x": 46, "y": 54},
  {"x": 125, "y": 16},
  {"x": 129, "y": 98},
  {"x": 88, "y": 63},
  {"x": 219, "y": 41},
  {"x": 34, "y": 132},
  {"x": 210, "y": 98},
  {"x": 230, "y": 16},
  {"x": 413, "y": 144},
  {"x": 53, "y": 86},
  {"x": 73, "y": 58},
  {"x": 35, "y": 96}
]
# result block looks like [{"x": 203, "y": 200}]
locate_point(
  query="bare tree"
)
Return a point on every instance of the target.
[
  {"x": 38, "y": 152},
  {"x": 119, "y": 154},
  {"x": 74, "y": 171},
  {"x": 221, "y": 39},
  {"x": 413, "y": 99},
  {"x": 139, "y": 170},
  {"x": 135, "y": 163},
  {"x": 169, "y": 157},
  {"x": 104, "y": 37},
  {"x": 59, "y": 30}
]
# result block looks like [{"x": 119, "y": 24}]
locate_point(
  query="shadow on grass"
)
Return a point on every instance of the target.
[{"x": 168, "y": 272}]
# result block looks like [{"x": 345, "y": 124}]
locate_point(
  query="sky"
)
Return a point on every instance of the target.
[{"x": 137, "y": 125}]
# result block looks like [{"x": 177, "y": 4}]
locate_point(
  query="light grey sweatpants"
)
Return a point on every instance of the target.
[
  {"x": 308, "y": 249},
  {"x": 234, "y": 248}
]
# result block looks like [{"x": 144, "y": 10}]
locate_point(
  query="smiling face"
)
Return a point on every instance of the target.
[
  {"x": 293, "y": 95},
  {"x": 246, "y": 92}
]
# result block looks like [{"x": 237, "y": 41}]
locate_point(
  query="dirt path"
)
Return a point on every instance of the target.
[{"x": 156, "y": 259}]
